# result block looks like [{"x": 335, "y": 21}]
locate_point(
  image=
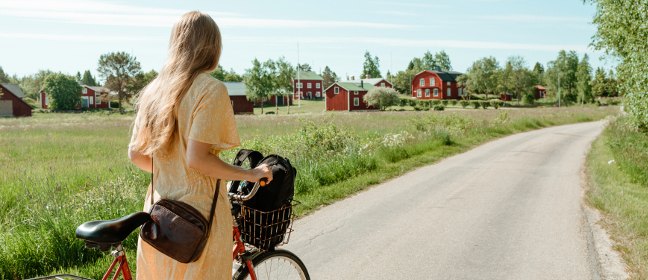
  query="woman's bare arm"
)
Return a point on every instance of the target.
[
  {"x": 199, "y": 157},
  {"x": 140, "y": 160}
]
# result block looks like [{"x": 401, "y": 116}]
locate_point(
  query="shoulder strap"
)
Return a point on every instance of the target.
[
  {"x": 214, "y": 199},
  {"x": 253, "y": 156}
]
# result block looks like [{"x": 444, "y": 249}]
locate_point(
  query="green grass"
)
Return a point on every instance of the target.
[
  {"x": 617, "y": 169},
  {"x": 299, "y": 107},
  {"x": 60, "y": 170}
]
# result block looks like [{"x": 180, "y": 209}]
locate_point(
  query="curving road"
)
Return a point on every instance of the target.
[{"x": 509, "y": 209}]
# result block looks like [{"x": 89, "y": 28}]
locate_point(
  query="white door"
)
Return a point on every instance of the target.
[{"x": 6, "y": 108}]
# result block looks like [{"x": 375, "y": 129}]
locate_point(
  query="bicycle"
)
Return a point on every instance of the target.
[{"x": 255, "y": 258}]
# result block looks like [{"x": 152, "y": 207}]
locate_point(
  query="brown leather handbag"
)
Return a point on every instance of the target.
[{"x": 177, "y": 229}]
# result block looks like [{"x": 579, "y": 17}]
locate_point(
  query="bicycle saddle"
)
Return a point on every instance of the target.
[{"x": 103, "y": 234}]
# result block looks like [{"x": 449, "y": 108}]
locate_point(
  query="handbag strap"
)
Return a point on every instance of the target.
[{"x": 214, "y": 199}]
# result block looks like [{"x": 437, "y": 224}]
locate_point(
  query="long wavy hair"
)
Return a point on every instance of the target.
[{"x": 194, "y": 48}]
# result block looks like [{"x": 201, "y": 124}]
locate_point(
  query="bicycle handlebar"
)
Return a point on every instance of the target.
[{"x": 261, "y": 183}]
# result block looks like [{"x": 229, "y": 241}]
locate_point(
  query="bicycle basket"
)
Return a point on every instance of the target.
[{"x": 266, "y": 230}]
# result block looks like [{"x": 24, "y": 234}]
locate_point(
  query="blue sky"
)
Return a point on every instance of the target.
[{"x": 70, "y": 35}]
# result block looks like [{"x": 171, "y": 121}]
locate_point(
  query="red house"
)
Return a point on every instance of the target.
[
  {"x": 347, "y": 96},
  {"x": 378, "y": 82},
  {"x": 240, "y": 103},
  {"x": 308, "y": 85},
  {"x": 539, "y": 92},
  {"x": 12, "y": 103},
  {"x": 92, "y": 97},
  {"x": 430, "y": 84}
]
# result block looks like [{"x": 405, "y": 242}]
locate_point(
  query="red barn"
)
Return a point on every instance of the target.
[
  {"x": 12, "y": 103},
  {"x": 430, "y": 84},
  {"x": 347, "y": 96},
  {"x": 539, "y": 92},
  {"x": 240, "y": 103},
  {"x": 308, "y": 85}
]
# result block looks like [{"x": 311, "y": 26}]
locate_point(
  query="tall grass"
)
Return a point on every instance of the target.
[
  {"x": 617, "y": 166},
  {"x": 59, "y": 170}
]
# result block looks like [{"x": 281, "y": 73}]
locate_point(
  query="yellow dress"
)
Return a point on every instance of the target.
[{"x": 205, "y": 114}]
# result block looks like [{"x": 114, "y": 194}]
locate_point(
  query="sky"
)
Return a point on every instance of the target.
[{"x": 70, "y": 35}]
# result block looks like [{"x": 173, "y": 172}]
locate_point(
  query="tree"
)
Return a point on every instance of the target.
[
  {"x": 382, "y": 97},
  {"x": 482, "y": 76},
  {"x": 33, "y": 84},
  {"x": 621, "y": 32},
  {"x": 304, "y": 67},
  {"x": 88, "y": 79},
  {"x": 516, "y": 78},
  {"x": 118, "y": 69},
  {"x": 402, "y": 81},
  {"x": 599, "y": 83},
  {"x": 583, "y": 81},
  {"x": 78, "y": 76},
  {"x": 259, "y": 81},
  {"x": 283, "y": 79},
  {"x": 560, "y": 76},
  {"x": 442, "y": 60},
  {"x": 141, "y": 80},
  {"x": 538, "y": 72},
  {"x": 4, "y": 78},
  {"x": 371, "y": 66},
  {"x": 65, "y": 91},
  {"x": 226, "y": 76},
  {"x": 329, "y": 77}
]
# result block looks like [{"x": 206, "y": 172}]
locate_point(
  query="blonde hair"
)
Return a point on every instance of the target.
[{"x": 194, "y": 48}]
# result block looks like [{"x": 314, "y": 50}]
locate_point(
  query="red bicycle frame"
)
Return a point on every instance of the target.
[
  {"x": 239, "y": 249},
  {"x": 120, "y": 258}
]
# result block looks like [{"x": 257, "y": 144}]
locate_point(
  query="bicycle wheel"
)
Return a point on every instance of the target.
[{"x": 279, "y": 265}]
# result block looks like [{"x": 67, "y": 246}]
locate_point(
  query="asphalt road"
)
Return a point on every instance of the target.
[{"x": 509, "y": 209}]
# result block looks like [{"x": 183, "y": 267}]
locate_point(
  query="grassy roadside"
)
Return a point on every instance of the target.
[
  {"x": 66, "y": 169},
  {"x": 617, "y": 169}
]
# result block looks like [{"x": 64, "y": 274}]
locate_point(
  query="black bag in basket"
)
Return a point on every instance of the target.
[{"x": 265, "y": 228}]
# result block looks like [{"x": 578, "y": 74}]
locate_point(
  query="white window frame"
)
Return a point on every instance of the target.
[
  {"x": 418, "y": 93},
  {"x": 436, "y": 92},
  {"x": 427, "y": 92},
  {"x": 317, "y": 85},
  {"x": 85, "y": 90},
  {"x": 317, "y": 94},
  {"x": 336, "y": 90},
  {"x": 356, "y": 101},
  {"x": 300, "y": 85},
  {"x": 432, "y": 82},
  {"x": 448, "y": 83},
  {"x": 449, "y": 92},
  {"x": 309, "y": 85},
  {"x": 422, "y": 82}
]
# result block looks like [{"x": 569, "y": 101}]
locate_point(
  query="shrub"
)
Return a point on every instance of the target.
[
  {"x": 485, "y": 104},
  {"x": 436, "y": 102},
  {"x": 528, "y": 99},
  {"x": 444, "y": 102},
  {"x": 453, "y": 102},
  {"x": 439, "y": 107},
  {"x": 403, "y": 102},
  {"x": 413, "y": 102},
  {"x": 270, "y": 113},
  {"x": 475, "y": 104},
  {"x": 114, "y": 104},
  {"x": 64, "y": 91},
  {"x": 495, "y": 104},
  {"x": 381, "y": 97},
  {"x": 464, "y": 103}
]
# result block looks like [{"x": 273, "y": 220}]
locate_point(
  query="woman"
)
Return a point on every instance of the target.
[{"x": 184, "y": 119}]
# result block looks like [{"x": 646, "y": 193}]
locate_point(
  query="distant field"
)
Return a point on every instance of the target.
[{"x": 59, "y": 170}]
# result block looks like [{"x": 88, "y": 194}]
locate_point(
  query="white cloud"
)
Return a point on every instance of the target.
[
  {"x": 78, "y": 38},
  {"x": 399, "y": 42},
  {"x": 99, "y": 13}
]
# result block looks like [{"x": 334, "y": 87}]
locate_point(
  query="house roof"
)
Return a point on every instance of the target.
[
  {"x": 308, "y": 75},
  {"x": 97, "y": 89},
  {"x": 354, "y": 86},
  {"x": 540, "y": 87},
  {"x": 15, "y": 89},
  {"x": 449, "y": 76},
  {"x": 235, "y": 88},
  {"x": 372, "y": 81}
]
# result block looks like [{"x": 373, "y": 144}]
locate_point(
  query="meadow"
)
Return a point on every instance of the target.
[
  {"x": 617, "y": 168},
  {"x": 59, "y": 170}
]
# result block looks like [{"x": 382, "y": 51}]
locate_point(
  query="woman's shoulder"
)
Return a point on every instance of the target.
[{"x": 210, "y": 85}]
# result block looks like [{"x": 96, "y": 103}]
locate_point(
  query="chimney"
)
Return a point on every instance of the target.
[
  {"x": 352, "y": 78},
  {"x": 361, "y": 83}
]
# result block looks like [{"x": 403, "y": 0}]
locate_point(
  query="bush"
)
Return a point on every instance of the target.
[
  {"x": 464, "y": 103},
  {"x": 444, "y": 102},
  {"x": 495, "y": 104},
  {"x": 381, "y": 97},
  {"x": 637, "y": 104},
  {"x": 528, "y": 99},
  {"x": 485, "y": 104},
  {"x": 114, "y": 104},
  {"x": 413, "y": 102},
  {"x": 475, "y": 104},
  {"x": 64, "y": 91},
  {"x": 270, "y": 113},
  {"x": 453, "y": 102},
  {"x": 439, "y": 107}
]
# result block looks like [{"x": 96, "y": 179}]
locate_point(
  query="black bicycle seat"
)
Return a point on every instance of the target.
[{"x": 105, "y": 233}]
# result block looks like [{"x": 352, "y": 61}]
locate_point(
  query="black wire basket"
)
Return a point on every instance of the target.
[{"x": 266, "y": 230}]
